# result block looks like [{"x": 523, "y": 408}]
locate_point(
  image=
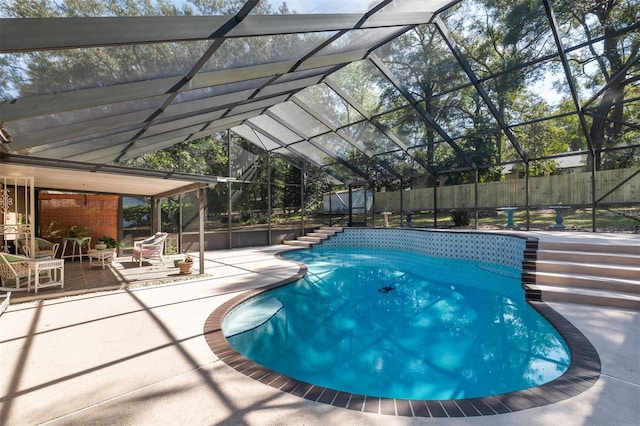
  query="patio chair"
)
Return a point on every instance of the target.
[
  {"x": 44, "y": 249},
  {"x": 13, "y": 267},
  {"x": 150, "y": 248}
]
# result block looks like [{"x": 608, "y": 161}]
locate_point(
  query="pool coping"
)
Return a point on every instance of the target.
[{"x": 583, "y": 372}]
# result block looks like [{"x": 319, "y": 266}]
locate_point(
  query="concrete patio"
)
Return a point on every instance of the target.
[{"x": 137, "y": 355}]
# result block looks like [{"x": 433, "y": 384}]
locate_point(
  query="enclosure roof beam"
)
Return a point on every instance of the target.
[
  {"x": 319, "y": 146},
  {"x": 567, "y": 71},
  {"x": 466, "y": 67},
  {"x": 421, "y": 111},
  {"x": 173, "y": 91},
  {"x": 34, "y": 34},
  {"x": 374, "y": 121},
  {"x": 362, "y": 111},
  {"x": 617, "y": 77},
  {"x": 100, "y": 96},
  {"x": 339, "y": 132},
  {"x": 369, "y": 155},
  {"x": 613, "y": 120},
  {"x": 258, "y": 129}
]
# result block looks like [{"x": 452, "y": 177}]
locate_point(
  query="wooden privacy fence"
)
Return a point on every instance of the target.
[{"x": 570, "y": 189}]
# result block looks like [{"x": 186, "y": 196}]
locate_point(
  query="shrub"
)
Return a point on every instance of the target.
[{"x": 460, "y": 217}]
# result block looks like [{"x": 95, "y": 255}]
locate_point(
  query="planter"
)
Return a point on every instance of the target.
[
  {"x": 185, "y": 267},
  {"x": 101, "y": 246},
  {"x": 177, "y": 262}
]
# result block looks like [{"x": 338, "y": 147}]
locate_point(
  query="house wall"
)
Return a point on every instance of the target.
[{"x": 59, "y": 212}]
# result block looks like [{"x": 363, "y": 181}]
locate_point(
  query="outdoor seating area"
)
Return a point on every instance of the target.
[
  {"x": 117, "y": 273},
  {"x": 42, "y": 272},
  {"x": 150, "y": 248},
  {"x": 43, "y": 249}
]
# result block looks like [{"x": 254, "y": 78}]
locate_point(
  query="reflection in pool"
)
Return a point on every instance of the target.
[{"x": 397, "y": 324}]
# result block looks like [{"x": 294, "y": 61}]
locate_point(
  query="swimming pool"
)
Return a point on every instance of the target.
[
  {"x": 508, "y": 250},
  {"x": 398, "y": 324}
]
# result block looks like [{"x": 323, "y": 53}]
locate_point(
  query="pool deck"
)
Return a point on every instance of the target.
[{"x": 138, "y": 356}]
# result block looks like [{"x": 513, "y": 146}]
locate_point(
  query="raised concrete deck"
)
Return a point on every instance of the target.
[{"x": 138, "y": 356}]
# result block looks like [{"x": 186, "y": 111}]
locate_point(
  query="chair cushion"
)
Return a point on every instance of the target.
[{"x": 159, "y": 236}]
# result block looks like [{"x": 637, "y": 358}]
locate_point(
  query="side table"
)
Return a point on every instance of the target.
[
  {"x": 77, "y": 241},
  {"x": 99, "y": 257},
  {"x": 54, "y": 268}
]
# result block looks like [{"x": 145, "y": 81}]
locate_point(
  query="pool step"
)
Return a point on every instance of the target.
[
  {"x": 329, "y": 230},
  {"x": 297, "y": 243},
  {"x": 573, "y": 294},
  {"x": 607, "y": 270},
  {"x": 317, "y": 236},
  {"x": 595, "y": 274}
]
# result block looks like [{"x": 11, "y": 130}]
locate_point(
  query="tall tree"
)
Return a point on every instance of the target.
[
  {"x": 502, "y": 36},
  {"x": 612, "y": 47},
  {"x": 424, "y": 64}
]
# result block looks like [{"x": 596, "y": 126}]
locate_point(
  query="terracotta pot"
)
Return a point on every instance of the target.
[{"x": 185, "y": 267}]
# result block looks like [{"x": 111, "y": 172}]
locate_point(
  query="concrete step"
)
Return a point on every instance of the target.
[
  {"x": 587, "y": 281},
  {"x": 603, "y": 274},
  {"x": 297, "y": 243},
  {"x": 589, "y": 297},
  {"x": 312, "y": 240},
  {"x": 331, "y": 230},
  {"x": 609, "y": 258},
  {"x": 593, "y": 269},
  {"x": 618, "y": 248},
  {"x": 320, "y": 235},
  {"x": 316, "y": 237}
]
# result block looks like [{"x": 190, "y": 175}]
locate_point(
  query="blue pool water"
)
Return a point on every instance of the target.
[{"x": 397, "y": 324}]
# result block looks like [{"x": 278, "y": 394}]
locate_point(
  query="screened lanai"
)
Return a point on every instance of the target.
[{"x": 428, "y": 106}]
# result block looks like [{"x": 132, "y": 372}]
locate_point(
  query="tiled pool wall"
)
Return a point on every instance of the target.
[{"x": 484, "y": 247}]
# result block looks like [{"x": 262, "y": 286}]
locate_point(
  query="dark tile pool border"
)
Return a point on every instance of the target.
[{"x": 582, "y": 374}]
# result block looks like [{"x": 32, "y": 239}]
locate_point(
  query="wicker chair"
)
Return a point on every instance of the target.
[
  {"x": 13, "y": 267},
  {"x": 151, "y": 248},
  {"x": 44, "y": 248}
]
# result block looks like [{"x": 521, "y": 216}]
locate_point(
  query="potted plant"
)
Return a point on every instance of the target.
[
  {"x": 109, "y": 243},
  {"x": 186, "y": 265},
  {"x": 78, "y": 232},
  {"x": 80, "y": 235}
]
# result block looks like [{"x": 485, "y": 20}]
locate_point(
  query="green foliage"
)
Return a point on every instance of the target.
[
  {"x": 51, "y": 232},
  {"x": 588, "y": 20},
  {"x": 137, "y": 216},
  {"x": 78, "y": 232},
  {"x": 205, "y": 156},
  {"x": 480, "y": 149},
  {"x": 111, "y": 242},
  {"x": 460, "y": 218}
]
